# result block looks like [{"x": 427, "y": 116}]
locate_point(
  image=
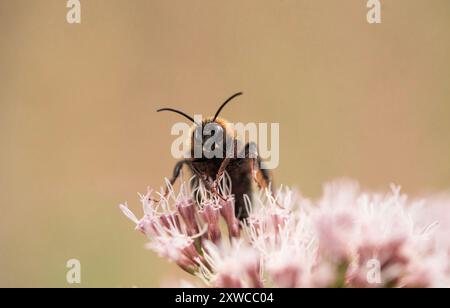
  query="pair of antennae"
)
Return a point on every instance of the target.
[{"x": 192, "y": 119}]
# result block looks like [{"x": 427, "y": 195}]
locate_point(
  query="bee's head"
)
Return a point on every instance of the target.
[{"x": 210, "y": 137}]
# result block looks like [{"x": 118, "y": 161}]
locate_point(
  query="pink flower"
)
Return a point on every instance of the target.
[
  {"x": 210, "y": 213},
  {"x": 347, "y": 238},
  {"x": 227, "y": 209},
  {"x": 177, "y": 248},
  {"x": 222, "y": 269}
]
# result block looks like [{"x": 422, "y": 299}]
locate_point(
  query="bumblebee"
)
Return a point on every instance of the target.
[{"x": 243, "y": 166}]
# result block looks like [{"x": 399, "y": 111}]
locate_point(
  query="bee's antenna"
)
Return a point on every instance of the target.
[
  {"x": 177, "y": 111},
  {"x": 226, "y": 102}
]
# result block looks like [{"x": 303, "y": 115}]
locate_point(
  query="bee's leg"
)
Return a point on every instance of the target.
[
  {"x": 220, "y": 172},
  {"x": 251, "y": 152},
  {"x": 202, "y": 177},
  {"x": 264, "y": 180},
  {"x": 179, "y": 166},
  {"x": 222, "y": 168},
  {"x": 177, "y": 170},
  {"x": 175, "y": 175}
]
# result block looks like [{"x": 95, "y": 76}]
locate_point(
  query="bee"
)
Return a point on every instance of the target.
[{"x": 243, "y": 166}]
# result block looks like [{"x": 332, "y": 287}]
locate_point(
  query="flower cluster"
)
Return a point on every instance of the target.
[{"x": 347, "y": 238}]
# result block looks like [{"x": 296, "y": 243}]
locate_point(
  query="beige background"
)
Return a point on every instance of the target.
[{"x": 79, "y": 133}]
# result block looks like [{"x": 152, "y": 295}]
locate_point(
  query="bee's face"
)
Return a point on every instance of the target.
[{"x": 209, "y": 138}]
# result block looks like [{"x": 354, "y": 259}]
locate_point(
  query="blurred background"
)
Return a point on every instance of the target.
[{"x": 79, "y": 134}]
